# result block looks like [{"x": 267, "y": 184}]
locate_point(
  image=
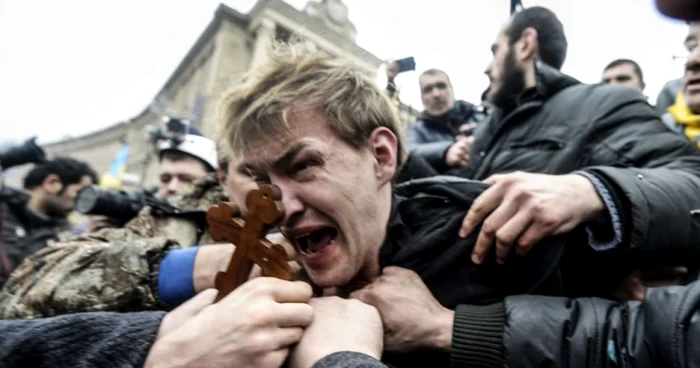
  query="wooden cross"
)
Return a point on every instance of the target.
[{"x": 225, "y": 224}]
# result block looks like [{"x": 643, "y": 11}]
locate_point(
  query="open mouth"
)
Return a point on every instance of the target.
[
  {"x": 314, "y": 241},
  {"x": 693, "y": 82}
]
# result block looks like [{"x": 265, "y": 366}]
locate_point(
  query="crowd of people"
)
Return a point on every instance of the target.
[{"x": 555, "y": 223}]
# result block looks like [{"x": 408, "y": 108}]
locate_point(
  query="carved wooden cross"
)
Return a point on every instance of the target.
[{"x": 225, "y": 224}]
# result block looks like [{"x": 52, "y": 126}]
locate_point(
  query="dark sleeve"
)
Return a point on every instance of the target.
[
  {"x": 538, "y": 331},
  {"x": 79, "y": 340},
  {"x": 653, "y": 173},
  {"x": 432, "y": 152},
  {"x": 667, "y": 96},
  {"x": 415, "y": 167},
  {"x": 348, "y": 359}
]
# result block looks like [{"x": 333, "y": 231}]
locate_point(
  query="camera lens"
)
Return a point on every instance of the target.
[{"x": 87, "y": 199}]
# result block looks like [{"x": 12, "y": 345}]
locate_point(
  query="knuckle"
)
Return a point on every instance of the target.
[
  {"x": 489, "y": 229},
  {"x": 548, "y": 220},
  {"x": 521, "y": 193},
  {"x": 503, "y": 238}
]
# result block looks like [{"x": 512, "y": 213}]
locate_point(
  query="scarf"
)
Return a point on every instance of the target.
[{"x": 686, "y": 118}]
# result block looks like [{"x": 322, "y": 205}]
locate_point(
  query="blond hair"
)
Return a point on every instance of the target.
[{"x": 297, "y": 79}]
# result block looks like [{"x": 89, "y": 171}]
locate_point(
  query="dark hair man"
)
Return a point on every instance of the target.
[
  {"x": 549, "y": 123},
  {"x": 442, "y": 136},
  {"x": 624, "y": 72},
  {"x": 37, "y": 216}
]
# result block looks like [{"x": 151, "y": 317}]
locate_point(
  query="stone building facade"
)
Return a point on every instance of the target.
[{"x": 228, "y": 47}]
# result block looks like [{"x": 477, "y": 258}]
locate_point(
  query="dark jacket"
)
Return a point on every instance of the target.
[
  {"x": 561, "y": 126},
  {"x": 415, "y": 167},
  {"x": 22, "y": 230},
  {"x": 422, "y": 235},
  {"x": 663, "y": 331},
  {"x": 103, "y": 340},
  {"x": 79, "y": 340},
  {"x": 668, "y": 94},
  {"x": 431, "y": 136}
]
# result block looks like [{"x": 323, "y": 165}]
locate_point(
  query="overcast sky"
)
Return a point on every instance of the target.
[{"x": 75, "y": 66}]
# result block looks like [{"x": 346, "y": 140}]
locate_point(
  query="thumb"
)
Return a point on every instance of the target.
[
  {"x": 178, "y": 316},
  {"x": 361, "y": 295}
]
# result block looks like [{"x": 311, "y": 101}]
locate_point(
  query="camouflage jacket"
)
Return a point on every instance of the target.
[{"x": 111, "y": 269}]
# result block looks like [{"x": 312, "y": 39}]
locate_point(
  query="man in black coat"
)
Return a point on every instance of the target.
[
  {"x": 600, "y": 161},
  {"x": 580, "y": 140}
]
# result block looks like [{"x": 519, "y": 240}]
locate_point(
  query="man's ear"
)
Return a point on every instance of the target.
[
  {"x": 527, "y": 47},
  {"x": 52, "y": 184},
  {"x": 384, "y": 145}
]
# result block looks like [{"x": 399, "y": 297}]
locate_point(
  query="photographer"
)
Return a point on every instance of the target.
[
  {"x": 32, "y": 218},
  {"x": 118, "y": 269},
  {"x": 184, "y": 157}
]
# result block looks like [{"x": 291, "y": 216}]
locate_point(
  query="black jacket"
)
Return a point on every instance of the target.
[
  {"x": 22, "y": 231},
  {"x": 562, "y": 126},
  {"x": 431, "y": 136},
  {"x": 653, "y": 174},
  {"x": 663, "y": 331},
  {"x": 422, "y": 235},
  {"x": 531, "y": 331}
]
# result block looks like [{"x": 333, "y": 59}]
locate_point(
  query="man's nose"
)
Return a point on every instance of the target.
[
  {"x": 693, "y": 59},
  {"x": 293, "y": 205},
  {"x": 173, "y": 186}
]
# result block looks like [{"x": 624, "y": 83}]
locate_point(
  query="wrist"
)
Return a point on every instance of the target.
[
  {"x": 441, "y": 337},
  {"x": 209, "y": 261},
  {"x": 594, "y": 207}
]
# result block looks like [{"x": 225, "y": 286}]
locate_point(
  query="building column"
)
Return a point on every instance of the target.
[{"x": 264, "y": 36}]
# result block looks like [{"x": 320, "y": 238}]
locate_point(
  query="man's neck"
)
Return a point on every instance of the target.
[
  {"x": 36, "y": 203},
  {"x": 530, "y": 75}
]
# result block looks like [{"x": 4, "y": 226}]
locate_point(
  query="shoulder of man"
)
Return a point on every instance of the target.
[
  {"x": 205, "y": 193},
  {"x": 82, "y": 276},
  {"x": 464, "y": 191},
  {"x": 602, "y": 96}
]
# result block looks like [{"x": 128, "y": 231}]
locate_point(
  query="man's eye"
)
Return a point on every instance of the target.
[
  {"x": 260, "y": 178},
  {"x": 304, "y": 166}
]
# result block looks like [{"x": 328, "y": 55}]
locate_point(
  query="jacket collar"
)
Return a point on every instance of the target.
[
  {"x": 549, "y": 82},
  {"x": 457, "y": 115}
]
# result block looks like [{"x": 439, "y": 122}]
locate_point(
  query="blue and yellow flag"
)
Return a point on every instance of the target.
[{"x": 113, "y": 178}]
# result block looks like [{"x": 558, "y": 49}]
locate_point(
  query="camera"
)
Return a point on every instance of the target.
[
  {"x": 175, "y": 129},
  {"x": 119, "y": 205},
  {"x": 27, "y": 152}
]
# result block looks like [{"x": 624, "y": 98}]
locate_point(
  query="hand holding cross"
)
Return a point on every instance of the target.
[{"x": 226, "y": 224}]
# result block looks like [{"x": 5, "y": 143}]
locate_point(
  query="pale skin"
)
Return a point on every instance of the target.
[{"x": 251, "y": 327}]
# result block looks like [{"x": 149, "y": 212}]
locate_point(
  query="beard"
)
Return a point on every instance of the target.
[
  {"x": 55, "y": 207},
  {"x": 512, "y": 82}
]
